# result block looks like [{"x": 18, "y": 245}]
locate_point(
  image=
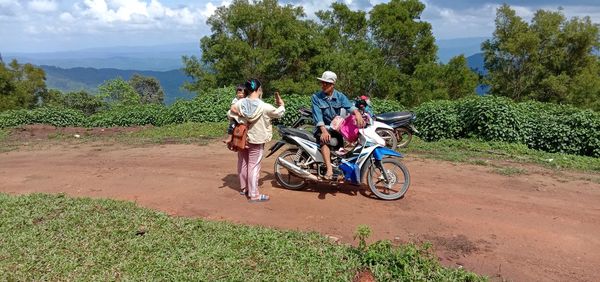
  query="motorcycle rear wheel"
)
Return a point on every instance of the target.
[
  {"x": 398, "y": 179},
  {"x": 286, "y": 178},
  {"x": 389, "y": 137},
  {"x": 403, "y": 135}
]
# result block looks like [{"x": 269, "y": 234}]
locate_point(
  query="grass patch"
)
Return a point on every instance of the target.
[
  {"x": 4, "y": 132},
  {"x": 54, "y": 237},
  {"x": 473, "y": 151},
  {"x": 179, "y": 133},
  {"x": 510, "y": 171}
]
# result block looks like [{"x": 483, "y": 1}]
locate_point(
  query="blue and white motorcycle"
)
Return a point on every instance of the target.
[{"x": 368, "y": 162}]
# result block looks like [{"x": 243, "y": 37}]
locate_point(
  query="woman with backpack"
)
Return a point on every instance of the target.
[{"x": 257, "y": 115}]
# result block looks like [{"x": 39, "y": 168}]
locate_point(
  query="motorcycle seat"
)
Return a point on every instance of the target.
[
  {"x": 305, "y": 112},
  {"x": 299, "y": 133},
  {"x": 393, "y": 116}
]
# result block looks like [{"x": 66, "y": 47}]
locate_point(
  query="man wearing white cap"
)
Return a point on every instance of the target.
[{"x": 326, "y": 104}]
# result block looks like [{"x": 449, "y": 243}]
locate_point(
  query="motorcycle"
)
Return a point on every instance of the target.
[
  {"x": 302, "y": 162},
  {"x": 385, "y": 131},
  {"x": 402, "y": 124}
]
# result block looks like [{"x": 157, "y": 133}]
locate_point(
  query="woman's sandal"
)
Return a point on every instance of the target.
[
  {"x": 244, "y": 192},
  {"x": 261, "y": 198}
]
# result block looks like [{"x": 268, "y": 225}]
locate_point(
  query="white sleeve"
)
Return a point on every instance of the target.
[{"x": 275, "y": 112}]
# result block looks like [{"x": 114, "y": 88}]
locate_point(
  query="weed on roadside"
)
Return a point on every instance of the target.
[{"x": 510, "y": 171}]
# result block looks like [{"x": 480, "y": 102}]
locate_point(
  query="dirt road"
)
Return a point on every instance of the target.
[{"x": 539, "y": 226}]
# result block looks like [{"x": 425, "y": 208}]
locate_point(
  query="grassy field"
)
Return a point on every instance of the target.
[
  {"x": 54, "y": 237},
  {"x": 481, "y": 153}
]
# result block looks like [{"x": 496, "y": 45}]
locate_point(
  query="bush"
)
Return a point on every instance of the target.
[
  {"x": 386, "y": 106},
  {"x": 438, "y": 120},
  {"x": 52, "y": 116},
  {"x": 490, "y": 118},
  {"x": 128, "y": 116},
  {"x": 541, "y": 126},
  {"x": 409, "y": 263},
  {"x": 292, "y": 104},
  {"x": 13, "y": 118}
]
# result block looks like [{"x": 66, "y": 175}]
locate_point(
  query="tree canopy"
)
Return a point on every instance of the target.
[
  {"x": 551, "y": 59},
  {"x": 376, "y": 54},
  {"x": 21, "y": 85}
]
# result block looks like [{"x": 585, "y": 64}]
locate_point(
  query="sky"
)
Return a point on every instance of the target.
[{"x": 63, "y": 25}]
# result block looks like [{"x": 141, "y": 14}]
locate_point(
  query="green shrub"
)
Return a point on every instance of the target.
[
  {"x": 13, "y": 118},
  {"x": 52, "y": 116},
  {"x": 437, "y": 120},
  {"x": 128, "y": 116},
  {"x": 58, "y": 117},
  {"x": 292, "y": 104},
  {"x": 385, "y": 106},
  {"x": 409, "y": 263},
  {"x": 490, "y": 118}
]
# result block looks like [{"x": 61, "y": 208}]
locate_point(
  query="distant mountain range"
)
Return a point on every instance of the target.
[
  {"x": 448, "y": 48},
  {"x": 154, "y": 58},
  {"x": 168, "y": 57},
  {"x": 89, "y": 79},
  {"x": 87, "y": 69}
]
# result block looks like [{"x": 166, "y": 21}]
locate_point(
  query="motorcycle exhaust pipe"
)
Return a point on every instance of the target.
[{"x": 297, "y": 170}]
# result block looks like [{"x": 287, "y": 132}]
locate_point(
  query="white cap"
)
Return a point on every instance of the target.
[{"x": 328, "y": 76}]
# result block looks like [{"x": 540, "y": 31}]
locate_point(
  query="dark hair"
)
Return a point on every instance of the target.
[
  {"x": 240, "y": 87},
  {"x": 251, "y": 85}
]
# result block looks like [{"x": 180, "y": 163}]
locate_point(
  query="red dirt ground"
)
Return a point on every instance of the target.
[{"x": 539, "y": 226}]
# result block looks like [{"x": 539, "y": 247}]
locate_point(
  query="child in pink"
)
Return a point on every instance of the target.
[{"x": 348, "y": 128}]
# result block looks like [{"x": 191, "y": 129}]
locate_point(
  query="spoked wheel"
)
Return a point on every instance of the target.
[
  {"x": 389, "y": 137},
  {"x": 284, "y": 177},
  {"x": 390, "y": 181},
  {"x": 404, "y": 136}
]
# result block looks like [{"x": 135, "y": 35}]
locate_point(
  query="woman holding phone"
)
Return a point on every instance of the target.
[{"x": 257, "y": 114}]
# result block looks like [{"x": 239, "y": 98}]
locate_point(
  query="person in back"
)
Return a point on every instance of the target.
[
  {"x": 257, "y": 115},
  {"x": 239, "y": 94}
]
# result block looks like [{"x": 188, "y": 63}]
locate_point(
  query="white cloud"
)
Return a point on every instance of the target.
[
  {"x": 209, "y": 10},
  {"x": 142, "y": 14},
  {"x": 42, "y": 6},
  {"x": 9, "y": 8},
  {"x": 113, "y": 21},
  {"x": 66, "y": 17}
]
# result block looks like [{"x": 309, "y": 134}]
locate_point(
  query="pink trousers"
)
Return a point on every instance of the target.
[{"x": 249, "y": 168}]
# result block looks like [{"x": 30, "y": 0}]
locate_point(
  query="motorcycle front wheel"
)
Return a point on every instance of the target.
[
  {"x": 286, "y": 178},
  {"x": 390, "y": 180}
]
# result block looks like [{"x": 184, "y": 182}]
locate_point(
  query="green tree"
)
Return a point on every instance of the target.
[
  {"x": 21, "y": 85},
  {"x": 83, "y": 101},
  {"x": 459, "y": 80},
  {"x": 434, "y": 81},
  {"x": 52, "y": 98},
  {"x": 117, "y": 92},
  {"x": 347, "y": 50},
  {"x": 408, "y": 49},
  {"x": 546, "y": 60},
  {"x": 260, "y": 39},
  {"x": 402, "y": 37},
  {"x": 389, "y": 54},
  {"x": 148, "y": 88}
]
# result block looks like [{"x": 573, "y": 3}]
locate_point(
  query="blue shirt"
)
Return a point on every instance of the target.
[{"x": 324, "y": 109}]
